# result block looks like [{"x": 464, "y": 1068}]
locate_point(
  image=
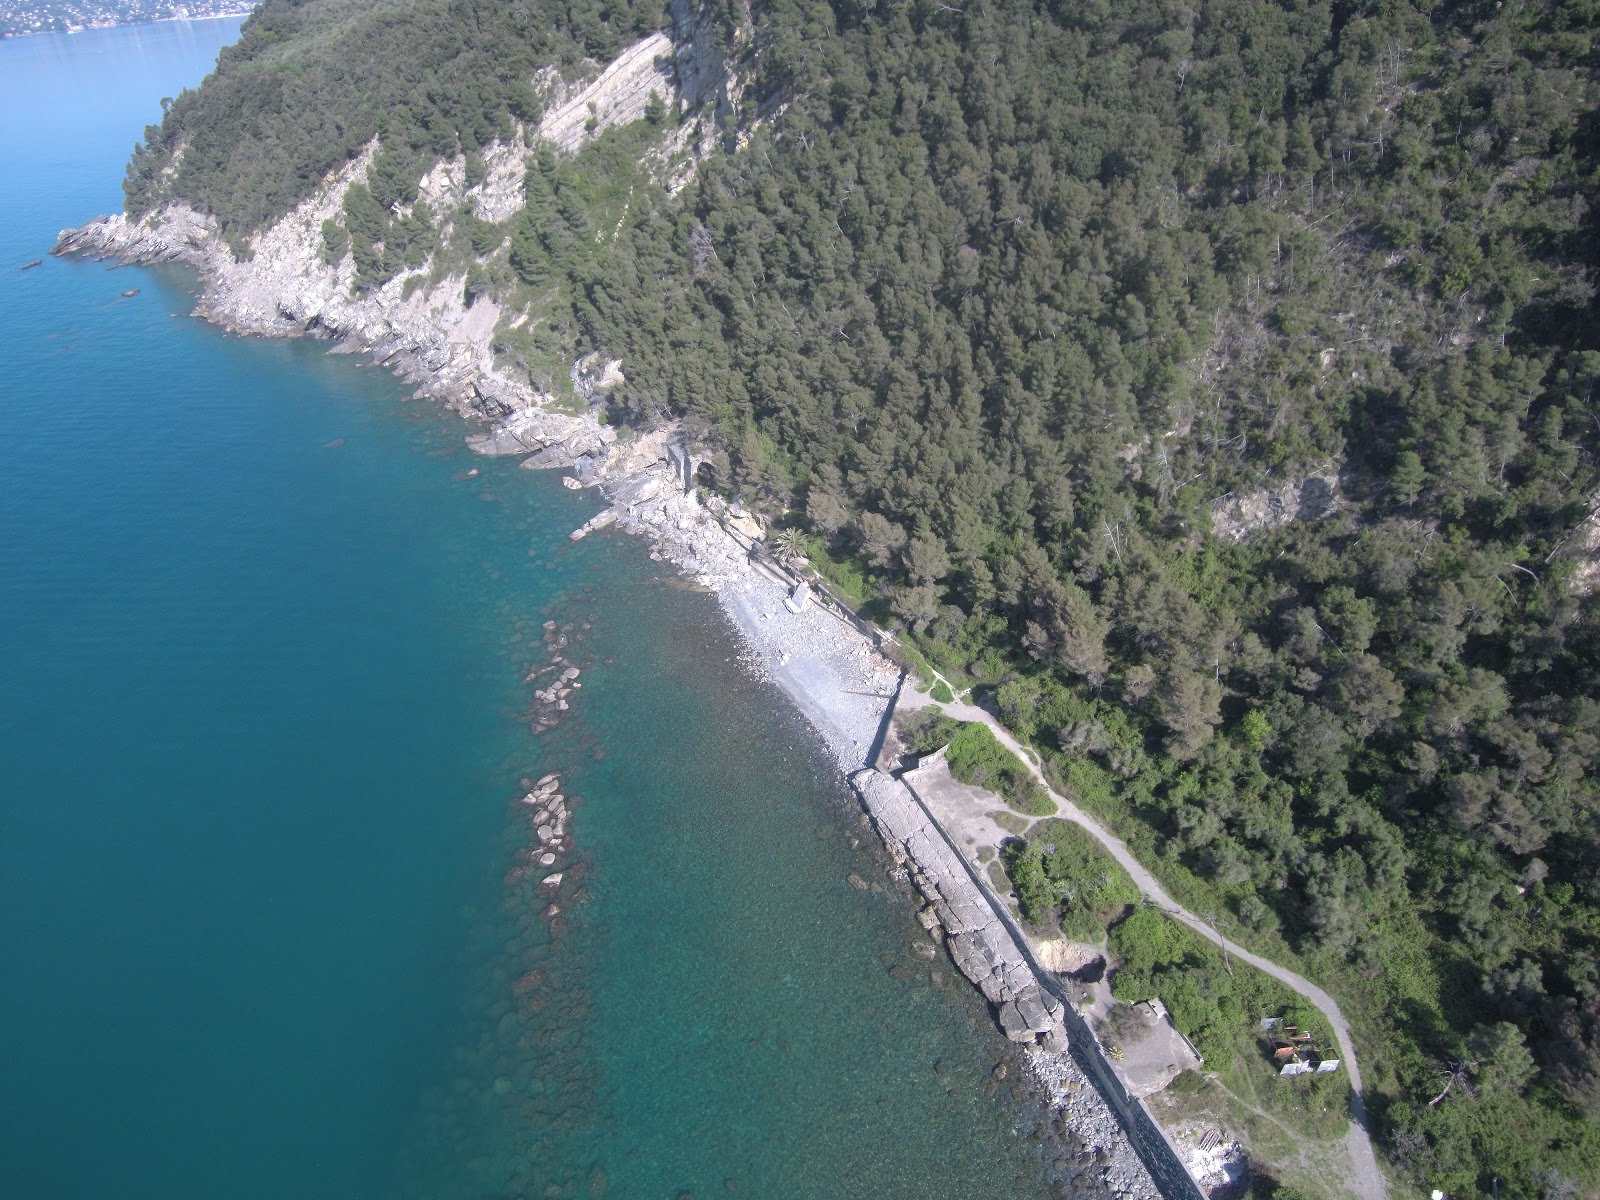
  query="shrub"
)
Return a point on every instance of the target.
[
  {"x": 1036, "y": 892},
  {"x": 977, "y": 758},
  {"x": 924, "y": 730},
  {"x": 1187, "y": 1083},
  {"x": 1091, "y": 889},
  {"x": 1146, "y": 939}
]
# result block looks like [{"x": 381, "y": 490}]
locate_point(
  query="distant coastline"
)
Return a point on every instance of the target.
[{"x": 114, "y": 21}]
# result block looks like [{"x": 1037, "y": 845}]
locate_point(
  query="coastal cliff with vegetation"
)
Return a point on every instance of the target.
[{"x": 1208, "y": 386}]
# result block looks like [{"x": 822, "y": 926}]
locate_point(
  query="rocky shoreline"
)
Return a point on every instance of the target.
[{"x": 830, "y": 670}]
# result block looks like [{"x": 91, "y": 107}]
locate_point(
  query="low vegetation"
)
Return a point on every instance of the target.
[
  {"x": 1218, "y": 1004},
  {"x": 1063, "y": 877},
  {"x": 309, "y": 85}
]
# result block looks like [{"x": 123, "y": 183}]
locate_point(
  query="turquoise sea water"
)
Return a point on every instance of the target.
[{"x": 264, "y": 928}]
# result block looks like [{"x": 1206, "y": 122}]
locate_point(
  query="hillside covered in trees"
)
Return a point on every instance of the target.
[{"x": 1019, "y": 311}]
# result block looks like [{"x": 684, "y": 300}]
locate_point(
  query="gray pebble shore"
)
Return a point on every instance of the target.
[{"x": 842, "y": 685}]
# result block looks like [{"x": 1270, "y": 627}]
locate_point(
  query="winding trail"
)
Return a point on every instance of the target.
[{"x": 1368, "y": 1182}]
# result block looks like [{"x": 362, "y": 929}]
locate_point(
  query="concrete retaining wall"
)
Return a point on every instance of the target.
[{"x": 902, "y": 815}]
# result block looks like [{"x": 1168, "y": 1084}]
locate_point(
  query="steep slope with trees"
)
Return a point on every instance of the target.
[{"x": 1021, "y": 312}]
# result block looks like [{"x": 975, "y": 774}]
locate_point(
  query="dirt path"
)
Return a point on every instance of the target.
[{"x": 1368, "y": 1182}]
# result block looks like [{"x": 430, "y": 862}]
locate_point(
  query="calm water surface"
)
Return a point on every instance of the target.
[{"x": 266, "y": 929}]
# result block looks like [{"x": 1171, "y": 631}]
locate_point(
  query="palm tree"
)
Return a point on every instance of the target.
[{"x": 787, "y": 544}]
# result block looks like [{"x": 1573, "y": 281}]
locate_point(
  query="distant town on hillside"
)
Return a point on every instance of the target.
[{"x": 18, "y": 17}]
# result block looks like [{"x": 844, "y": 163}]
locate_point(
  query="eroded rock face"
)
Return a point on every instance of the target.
[
  {"x": 586, "y": 443},
  {"x": 285, "y": 287},
  {"x": 1585, "y": 550},
  {"x": 424, "y": 328},
  {"x": 619, "y": 96},
  {"x": 1318, "y": 495}
]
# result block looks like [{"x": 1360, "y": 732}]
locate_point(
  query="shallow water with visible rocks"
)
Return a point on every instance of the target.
[{"x": 278, "y": 917}]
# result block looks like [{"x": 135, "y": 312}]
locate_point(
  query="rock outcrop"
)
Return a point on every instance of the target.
[
  {"x": 421, "y": 325},
  {"x": 284, "y": 287},
  {"x": 1318, "y": 495},
  {"x": 619, "y": 96},
  {"x": 1583, "y": 547}
]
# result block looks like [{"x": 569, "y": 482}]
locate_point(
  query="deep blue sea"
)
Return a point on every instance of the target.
[{"x": 265, "y": 927}]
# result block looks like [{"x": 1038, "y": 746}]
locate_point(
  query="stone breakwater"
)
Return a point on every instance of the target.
[
  {"x": 979, "y": 943},
  {"x": 984, "y": 949}
]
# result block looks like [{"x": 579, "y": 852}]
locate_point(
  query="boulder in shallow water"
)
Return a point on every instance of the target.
[
  {"x": 527, "y": 981},
  {"x": 1012, "y": 1022}
]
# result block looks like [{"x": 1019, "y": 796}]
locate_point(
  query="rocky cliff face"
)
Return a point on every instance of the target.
[
  {"x": 618, "y": 96},
  {"x": 285, "y": 288},
  {"x": 1318, "y": 495},
  {"x": 422, "y": 326}
]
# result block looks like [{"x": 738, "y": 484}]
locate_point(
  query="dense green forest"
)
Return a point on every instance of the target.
[
  {"x": 311, "y": 82},
  {"x": 1009, "y": 300}
]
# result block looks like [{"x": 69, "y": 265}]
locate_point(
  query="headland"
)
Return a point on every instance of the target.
[{"x": 832, "y": 668}]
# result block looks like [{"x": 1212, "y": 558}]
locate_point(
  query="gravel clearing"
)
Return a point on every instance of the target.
[{"x": 835, "y": 678}]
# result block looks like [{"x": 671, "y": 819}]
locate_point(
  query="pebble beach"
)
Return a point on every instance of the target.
[{"x": 844, "y": 686}]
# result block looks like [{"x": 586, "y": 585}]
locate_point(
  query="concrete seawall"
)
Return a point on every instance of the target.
[
  {"x": 979, "y": 941},
  {"x": 1031, "y": 1006}
]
